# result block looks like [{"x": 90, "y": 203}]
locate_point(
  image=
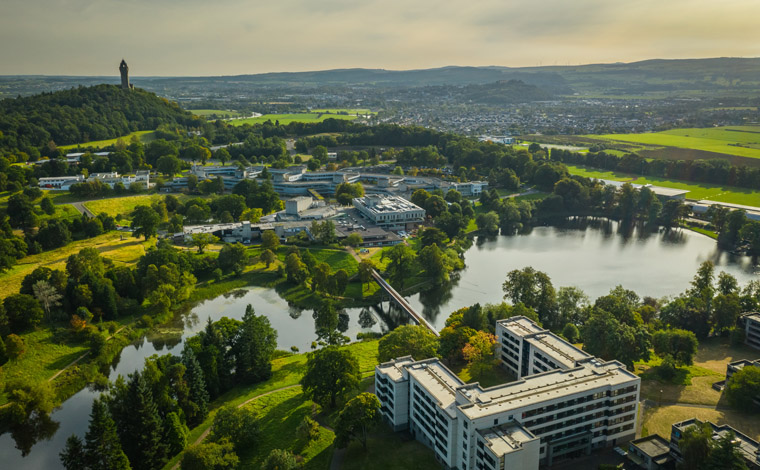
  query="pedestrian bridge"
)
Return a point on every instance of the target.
[{"x": 401, "y": 302}]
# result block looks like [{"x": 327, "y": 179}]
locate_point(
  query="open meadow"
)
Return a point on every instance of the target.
[
  {"x": 120, "y": 206},
  {"x": 218, "y": 113},
  {"x": 288, "y": 118}
]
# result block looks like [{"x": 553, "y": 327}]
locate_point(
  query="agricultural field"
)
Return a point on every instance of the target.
[
  {"x": 144, "y": 136},
  {"x": 712, "y": 192},
  {"x": 742, "y": 141},
  {"x": 219, "y": 113},
  {"x": 351, "y": 111},
  {"x": 288, "y": 118}
]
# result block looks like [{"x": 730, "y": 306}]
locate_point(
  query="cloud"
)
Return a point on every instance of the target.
[{"x": 194, "y": 37}]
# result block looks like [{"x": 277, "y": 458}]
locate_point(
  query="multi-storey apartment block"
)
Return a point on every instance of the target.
[
  {"x": 748, "y": 447},
  {"x": 564, "y": 402},
  {"x": 751, "y": 323}
]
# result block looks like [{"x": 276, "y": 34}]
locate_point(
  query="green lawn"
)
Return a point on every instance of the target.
[
  {"x": 713, "y": 192},
  {"x": 288, "y": 118},
  {"x": 386, "y": 450},
  {"x": 354, "y": 111},
  {"x": 144, "y": 136},
  {"x": 743, "y": 141}
]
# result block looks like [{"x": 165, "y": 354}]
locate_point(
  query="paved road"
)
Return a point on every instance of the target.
[{"x": 82, "y": 209}]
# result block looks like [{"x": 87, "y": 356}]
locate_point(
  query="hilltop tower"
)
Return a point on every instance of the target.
[{"x": 124, "y": 69}]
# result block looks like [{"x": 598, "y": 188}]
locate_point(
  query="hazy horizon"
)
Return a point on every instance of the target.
[{"x": 235, "y": 37}]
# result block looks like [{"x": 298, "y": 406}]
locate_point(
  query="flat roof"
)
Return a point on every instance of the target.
[
  {"x": 559, "y": 349},
  {"x": 437, "y": 380},
  {"x": 754, "y": 316},
  {"x": 520, "y": 326},
  {"x": 378, "y": 204},
  {"x": 534, "y": 389},
  {"x": 506, "y": 438},
  {"x": 653, "y": 445},
  {"x": 394, "y": 368}
]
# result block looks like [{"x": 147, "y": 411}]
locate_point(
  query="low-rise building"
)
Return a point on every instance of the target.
[
  {"x": 392, "y": 212},
  {"x": 651, "y": 452},
  {"x": 582, "y": 404},
  {"x": 62, "y": 183},
  {"x": 748, "y": 447}
]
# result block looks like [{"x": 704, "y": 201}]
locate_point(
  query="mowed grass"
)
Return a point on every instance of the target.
[
  {"x": 659, "y": 420},
  {"x": 743, "y": 141},
  {"x": 288, "y": 118},
  {"x": 387, "y": 449},
  {"x": 144, "y": 136},
  {"x": 354, "y": 111},
  {"x": 120, "y": 205},
  {"x": 111, "y": 245},
  {"x": 712, "y": 192}
]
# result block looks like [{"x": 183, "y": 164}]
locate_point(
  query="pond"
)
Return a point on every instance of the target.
[{"x": 593, "y": 254}]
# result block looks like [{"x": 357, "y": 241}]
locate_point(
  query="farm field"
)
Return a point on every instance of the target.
[
  {"x": 288, "y": 118},
  {"x": 743, "y": 141},
  {"x": 144, "y": 136},
  {"x": 223, "y": 113},
  {"x": 712, "y": 192},
  {"x": 360, "y": 111}
]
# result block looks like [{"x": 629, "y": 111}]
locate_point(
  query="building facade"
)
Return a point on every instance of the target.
[
  {"x": 579, "y": 404},
  {"x": 751, "y": 323},
  {"x": 748, "y": 447},
  {"x": 390, "y": 211}
]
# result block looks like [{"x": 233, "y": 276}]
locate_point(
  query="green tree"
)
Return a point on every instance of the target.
[
  {"x": 681, "y": 345},
  {"x": 408, "y": 340},
  {"x": 296, "y": 270},
  {"x": 13, "y": 346},
  {"x": 232, "y": 257},
  {"x": 210, "y": 456},
  {"x": 238, "y": 425},
  {"x": 145, "y": 221},
  {"x": 435, "y": 206},
  {"x": 479, "y": 351},
  {"x": 253, "y": 347},
  {"x": 726, "y": 310},
  {"x": 22, "y": 311},
  {"x": 269, "y": 240},
  {"x": 139, "y": 425},
  {"x": 202, "y": 240},
  {"x": 695, "y": 445},
  {"x": 169, "y": 165},
  {"x": 356, "y": 419},
  {"x": 353, "y": 239},
  {"x": 331, "y": 374},
  {"x": 401, "y": 263},
  {"x": 46, "y": 295},
  {"x": 267, "y": 257},
  {"x": 743, "y": 388},
  {"x": 452, "y": 341},
  {"x": 47, "y": 206},
  {"x": 102, "y": 446},
  {"x": 346, "y": 192},
  {"x": 73, "y": 456},
  {"x": 197, "y": 408},
  {"x": 534, "y": 289},
  {"x": 279, "y": 459},
  {"x": 366, "y": 266},
  {"x": 726, "y": 454},
  {"x": 432, "y": 261},
  {"x": 606, "y": 337},
  {"x": 419, "y": 197},
  {"x": 432, "y": 235},
  {"x": 571, "y": 333},
  {"x": 488, "y": 223}
]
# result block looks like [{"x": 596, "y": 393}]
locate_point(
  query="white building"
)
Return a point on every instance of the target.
[
  {"x": 579, "y": 404},
  {"x": 751, "y": 322},
  {"x": 59, "y": 182},
  {"x": 390, "y": 211}
]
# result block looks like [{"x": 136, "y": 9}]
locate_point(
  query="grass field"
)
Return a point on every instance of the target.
[
  {"x": 144, "y": 136},
  {"x": 110, "y": 245},
  {"x": 743, "y": 141},
  {"x": 353, "y": 111},
  {"x": 385, "y": 450},
  {"x": 220, "y": 113},
  {"x": 713, "y": 192},
  {"x": 120, "y": 205},
  {"x": 288, "y": 118},
  {"x": 659, "y": 420}
]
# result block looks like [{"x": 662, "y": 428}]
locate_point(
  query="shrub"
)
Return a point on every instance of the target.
[
  {"x": 14, "y": 346},
  {"x": 146, "y": 321}
]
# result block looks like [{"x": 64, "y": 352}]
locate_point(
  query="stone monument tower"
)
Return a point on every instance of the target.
[{"x": 124, "y": 69}]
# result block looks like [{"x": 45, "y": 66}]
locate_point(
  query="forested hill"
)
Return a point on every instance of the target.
[{"x": 82, "y": 115}]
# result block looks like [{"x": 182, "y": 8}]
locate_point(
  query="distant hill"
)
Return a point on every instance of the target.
[{"x": 82, "y": 115}]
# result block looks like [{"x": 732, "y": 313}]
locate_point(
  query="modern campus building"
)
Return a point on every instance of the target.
[
  {"x": 111, "y": 179},
  {"x": 563, "y": 403},
  {"x": 748, "y": 447},
  {"x": 390, "y": 211},
  {"x": 751, "y": 323}
]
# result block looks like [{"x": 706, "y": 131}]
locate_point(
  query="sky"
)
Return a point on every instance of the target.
[{"x": 232, "y": 37}]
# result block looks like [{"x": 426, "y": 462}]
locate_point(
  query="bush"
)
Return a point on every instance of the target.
[
  {"x": 369, "y": 335},
  {"x": 280, "y": 460},
  {"x": 308, "y": 430},
  {"x": 145, "y": 321},
  {"x": 97, "y": 341},
  {"x": 216, "y": 274},
  {"x": 14, "y": 346}
]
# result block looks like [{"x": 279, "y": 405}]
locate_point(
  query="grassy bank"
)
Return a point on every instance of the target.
[{"x": 143, "y": 136}]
